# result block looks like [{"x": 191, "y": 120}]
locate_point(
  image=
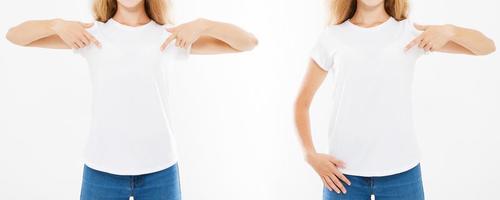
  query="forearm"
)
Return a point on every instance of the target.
[
  {"x": 29, "y": 31},
  {"x": 232, "y": 35},
  {"x": 473, "y": 40},
  {"x": 302, "y": 123}
]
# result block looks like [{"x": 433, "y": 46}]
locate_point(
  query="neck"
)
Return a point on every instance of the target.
[
  {"x": 131, "y": 16},
  {"x": 369, "y": 15}
]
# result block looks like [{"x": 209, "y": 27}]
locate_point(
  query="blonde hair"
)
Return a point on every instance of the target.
[
  {"x": 157, "y": 10},
  {"x": 342, "y": 10}
]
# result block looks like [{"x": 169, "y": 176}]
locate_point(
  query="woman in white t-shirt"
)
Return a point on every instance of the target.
[
  {"x": 130, "y": 150},
  {"x": 371, "y": 47}
]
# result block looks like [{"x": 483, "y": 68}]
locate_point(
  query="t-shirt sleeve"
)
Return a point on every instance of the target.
[
  {"x": 84, "y": 50},
  {"x": 323, "y": 51}
]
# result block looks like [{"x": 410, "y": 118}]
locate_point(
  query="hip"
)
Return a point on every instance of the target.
[
  {"x": 405, "y": 185},
  {"x": 161, "y": 185}
]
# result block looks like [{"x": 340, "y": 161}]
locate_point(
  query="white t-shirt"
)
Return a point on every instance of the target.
[
  {"x": 372, "y": 127},
  {"x": 130, "y": 132}
]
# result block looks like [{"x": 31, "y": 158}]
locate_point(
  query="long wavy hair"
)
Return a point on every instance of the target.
[
  {"x": 157, "y": 10},
  {"x": 342, "y": 10}
]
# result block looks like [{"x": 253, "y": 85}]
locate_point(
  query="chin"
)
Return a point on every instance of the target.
[
  {"x": 371, "y": 3},
  {"x": 129, "y": 3}
]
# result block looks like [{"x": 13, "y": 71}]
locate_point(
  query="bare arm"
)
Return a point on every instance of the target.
[
  {"x": 27, "y": 32},
  {"x": 211, "y": 37},
  {"x": 324, "y": 165},
  {"x": 312, "y": 81},
  {"x": 54, "y": 33},
  {"x": 453, "y": 39},
  {"x": 231, "y": 35},
  {"x": 472, "y": 40}
]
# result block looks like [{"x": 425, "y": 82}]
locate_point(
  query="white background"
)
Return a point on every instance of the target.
[{"x": 232, "y": 114}]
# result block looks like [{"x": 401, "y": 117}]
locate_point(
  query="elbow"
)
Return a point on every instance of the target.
[
  {"x": 301, "y": 105},
  {"x": 251, "y": 43},
  {"x": 11, "y": 37},
  {"x": 493, "y": 47},
  {"x": 489, "y": 49}
]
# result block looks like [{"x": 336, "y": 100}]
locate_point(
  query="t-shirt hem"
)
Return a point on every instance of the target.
[
  {"x": 380, "y": 173},
  {"x": 126, "y": 172}
]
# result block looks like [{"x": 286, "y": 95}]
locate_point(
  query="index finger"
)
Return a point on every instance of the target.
[
  {"x": 92, "y": 39},
  {"x": 413, "y": 42},
  {"x": 342, "y": 177},
  {"x": 167, "y": 41}
]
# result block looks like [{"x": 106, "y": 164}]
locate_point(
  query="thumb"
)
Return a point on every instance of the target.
[
  {"x": 87, "y": 25},
  {"x": 420, "y": 27}
]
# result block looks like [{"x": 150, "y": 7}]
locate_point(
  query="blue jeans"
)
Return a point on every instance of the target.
[
  {"x": 402, "y": 186},
  {"x": 161, "y": 185}
]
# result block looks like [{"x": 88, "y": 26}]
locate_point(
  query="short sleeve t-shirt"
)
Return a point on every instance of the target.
[
  {"x": 130, "y": 132},
  {"x": 372, "y": 127}
]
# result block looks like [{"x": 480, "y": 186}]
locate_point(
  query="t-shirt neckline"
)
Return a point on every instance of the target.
[
  {"x": 127, "y": 27},
  {"x": 377, "y": 27}
]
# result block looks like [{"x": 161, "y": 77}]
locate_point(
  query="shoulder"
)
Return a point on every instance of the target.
[
  {"x": 95, "y": 27},
  {"x": 332, "y": 30},
  {"x": 330, "y": 35},
  {"x": 162, "y": 29},
  {"x": 329, "y": 39},
  {"x": 408, "y": 24}
]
